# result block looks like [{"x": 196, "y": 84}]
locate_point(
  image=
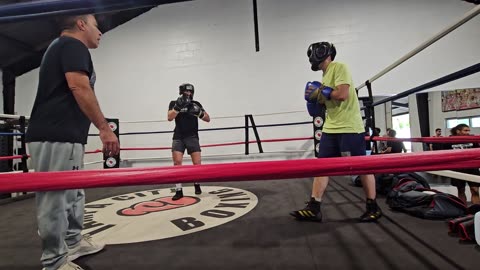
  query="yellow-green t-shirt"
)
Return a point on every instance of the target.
[{"x": 342, "y": 116}]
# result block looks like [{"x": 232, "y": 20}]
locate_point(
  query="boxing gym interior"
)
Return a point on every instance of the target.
[{"x": 415, "y": 67}]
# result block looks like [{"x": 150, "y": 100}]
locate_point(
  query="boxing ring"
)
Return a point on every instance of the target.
[{"x": 263, "y": 236}]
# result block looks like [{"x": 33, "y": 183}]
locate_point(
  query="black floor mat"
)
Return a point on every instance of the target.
[{"x": 265, "y": 238}]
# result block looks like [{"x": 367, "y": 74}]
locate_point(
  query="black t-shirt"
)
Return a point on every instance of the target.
[
  {"x": 186, "y": 124},
  {"x": 56, "y": 116},
  {"x": 397, "y": 146},
  {"x": 438, "y": 146},
  {"x": 467, "y": 145}
]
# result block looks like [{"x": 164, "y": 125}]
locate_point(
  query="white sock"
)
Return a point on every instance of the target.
[
  {"x": 178, "y": 186},
  {"x": 318, "y": 199}
]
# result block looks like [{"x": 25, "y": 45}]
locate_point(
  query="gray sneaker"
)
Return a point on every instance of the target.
[{"x": 85, "y": 247}]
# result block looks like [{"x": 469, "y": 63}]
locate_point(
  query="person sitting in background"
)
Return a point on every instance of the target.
[
  {"x": 383, "y": 144},
  {"x": 394, "y": 146}
]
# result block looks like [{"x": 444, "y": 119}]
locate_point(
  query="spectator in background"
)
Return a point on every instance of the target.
[
  {"x": 394, "y": 146},
  {"x": 464, "y": 130},
  {"x": 436, "y": 146},
  {"x": 383, "y": 144}
]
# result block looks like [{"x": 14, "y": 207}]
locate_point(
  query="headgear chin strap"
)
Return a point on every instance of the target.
[
  {"x": 186, "y": 87},
  {"x": 318, "y": 52}
]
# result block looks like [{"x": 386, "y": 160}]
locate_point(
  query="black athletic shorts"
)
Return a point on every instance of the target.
[{"x": 192, "y": 144}]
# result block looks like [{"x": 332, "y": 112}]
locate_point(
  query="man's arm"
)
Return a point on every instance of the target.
[
  {"x": 388, "y": 150},
  {"x": 341, "y": 92},
  {"x": 206, "y": 117},
  {"x": 172, "y": 114},
  {"x": 79, "y": 84}
]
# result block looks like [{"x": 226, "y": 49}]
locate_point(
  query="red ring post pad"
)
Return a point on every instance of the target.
[{"x": 244, "y": 171}]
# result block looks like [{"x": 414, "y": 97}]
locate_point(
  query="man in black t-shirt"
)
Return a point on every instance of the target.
[
  {"x": 436, "y": 146},
  {"x": 186, "y": 113},
  {"x": 464, "y": 130},
  {"x": 394, "y": 146},
  {"x": 64, "y": 108}
]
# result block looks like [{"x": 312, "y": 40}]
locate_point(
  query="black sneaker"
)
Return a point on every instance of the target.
[
  {"x": 178, "y": 195},
  {"x": 373, "y": 212},
  {"x": 311, "y": 212},
  {"x": 198, "y": 190}
]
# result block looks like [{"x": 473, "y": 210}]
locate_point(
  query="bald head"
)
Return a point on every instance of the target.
[
  {"x": 69, "y": 23},
  {"x": 82, "y": 27}
]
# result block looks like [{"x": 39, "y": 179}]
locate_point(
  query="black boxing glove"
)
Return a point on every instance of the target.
[
  {"x": 196, "y": 110},
  {"x": 181, "y": 102}
]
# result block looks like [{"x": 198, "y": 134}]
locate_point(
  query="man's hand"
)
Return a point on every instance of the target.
[
  {"x": 182, "y": 102},
  {"x": 312, "y": 90},
  {"x": 111, "y": 145},
  {"x": 196, "y": 110},
  {"x": 327, "y": 92}
]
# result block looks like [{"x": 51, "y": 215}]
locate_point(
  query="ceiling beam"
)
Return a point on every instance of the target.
[
  {"x": 399, "y": 114},
  {"x": 398, "y": 104}
]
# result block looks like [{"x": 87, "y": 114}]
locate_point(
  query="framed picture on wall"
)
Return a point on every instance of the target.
[{"x": 460, "y": 99}]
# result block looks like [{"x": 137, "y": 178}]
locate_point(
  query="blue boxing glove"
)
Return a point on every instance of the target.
[
  {"x": 327, "y": 92},
  {"x": 313, "y": 108},
  {"x": 312, "y": 91}
]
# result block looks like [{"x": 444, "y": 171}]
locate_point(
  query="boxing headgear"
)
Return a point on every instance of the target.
[
  {"x": 186, "y": 87},
  {"x": 318, "y": 52}
]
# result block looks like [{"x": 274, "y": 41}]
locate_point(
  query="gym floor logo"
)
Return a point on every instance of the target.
[{"x": 152, "y": 215}]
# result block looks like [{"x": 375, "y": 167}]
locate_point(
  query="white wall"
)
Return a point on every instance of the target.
[{"x": 210, "y": 43}]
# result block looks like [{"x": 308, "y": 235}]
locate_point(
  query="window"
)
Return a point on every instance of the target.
[
  {"x": 475, "y": 122},
  {"x": 451, "y": 123},
  {"x": 470, "y": 121}
]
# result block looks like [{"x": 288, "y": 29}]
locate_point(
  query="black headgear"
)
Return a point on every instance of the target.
[
  {"x": 318, "y": 52},
  {"x": 186, "y": 87}
]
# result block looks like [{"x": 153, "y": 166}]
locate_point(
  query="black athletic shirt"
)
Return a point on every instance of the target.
[
  {"x": 186, "y": 125},
  {"x": 56, "y": 116},
  {"x": 473, "y": 171},
  {"x": 397, "y": 146}
]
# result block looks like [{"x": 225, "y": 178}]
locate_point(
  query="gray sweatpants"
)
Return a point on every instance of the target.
[{"x": 59, "y": 213}]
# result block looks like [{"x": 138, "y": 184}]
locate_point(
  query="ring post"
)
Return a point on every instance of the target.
[
  {"x": 318, "y": 121},
  {"x": 114, "y": 161},
  {"x": 370, "y": 112},
  {"x": 246, "y": 135},
  {"x": 255, "y": 132},
  {"x": 23, "y": 147}
]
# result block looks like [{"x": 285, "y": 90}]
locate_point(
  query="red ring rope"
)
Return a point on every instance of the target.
[{"x": 266, "y": 170}]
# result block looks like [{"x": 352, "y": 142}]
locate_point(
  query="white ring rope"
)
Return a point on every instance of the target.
[
  {"x": 468, "y": 16},
  {"x": 12, "y": 116},
  {"x": 139, "y": 159},
  {"x": 218, "y": 155},
  {"x": 213, "y": 118},
  {"x": 457, "y": 175}
]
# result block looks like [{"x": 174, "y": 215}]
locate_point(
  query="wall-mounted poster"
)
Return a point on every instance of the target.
[{"x": 461, "y": 99}]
